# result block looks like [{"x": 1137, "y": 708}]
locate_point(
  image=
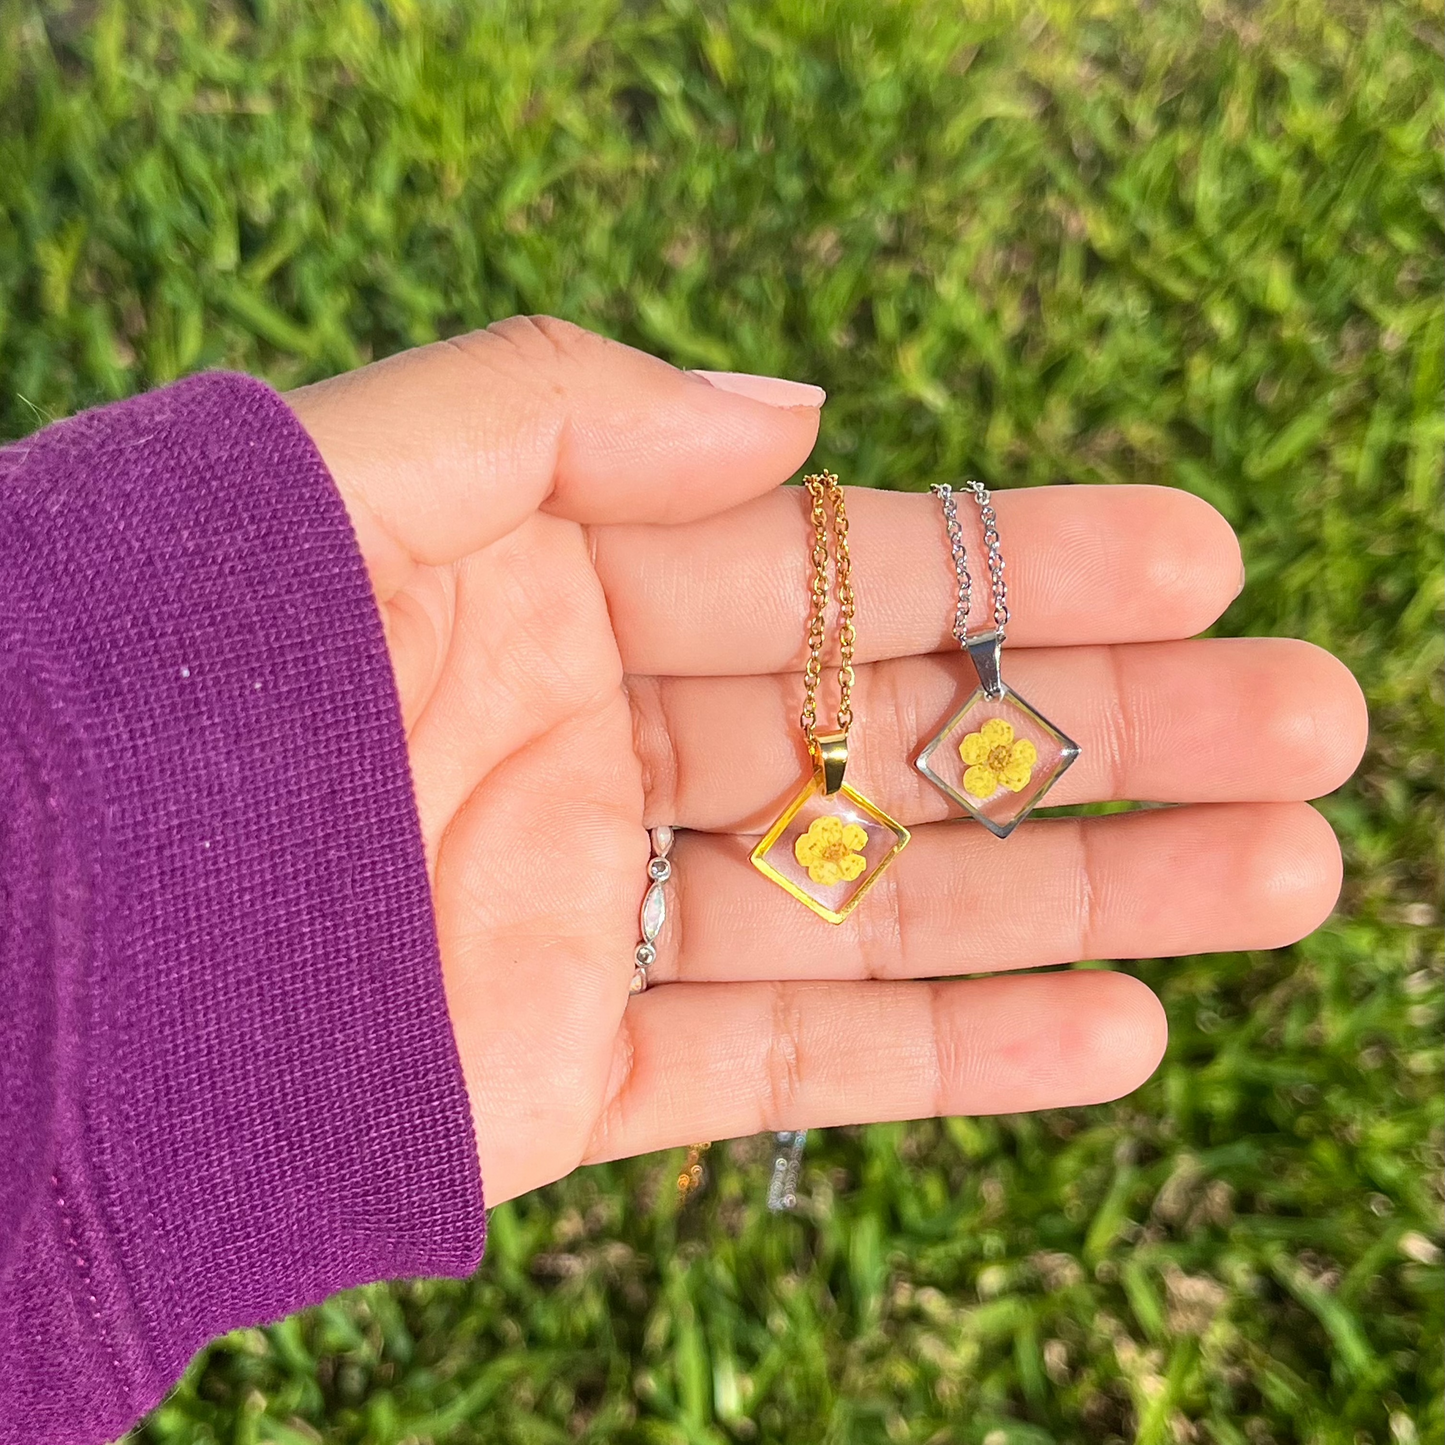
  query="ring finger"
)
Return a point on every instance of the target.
[{"x": 1210, "y": 878}]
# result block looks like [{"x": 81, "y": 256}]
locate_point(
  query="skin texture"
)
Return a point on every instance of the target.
[{"x": 594, "y": 592}]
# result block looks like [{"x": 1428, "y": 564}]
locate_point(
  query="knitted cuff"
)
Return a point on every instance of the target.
[{"x": 244, "y": 1090}]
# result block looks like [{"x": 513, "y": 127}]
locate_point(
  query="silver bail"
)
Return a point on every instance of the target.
[{"x": 984, "y": 648}]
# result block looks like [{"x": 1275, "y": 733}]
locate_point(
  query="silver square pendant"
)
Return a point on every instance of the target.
[{"x": 997, "y": 757}]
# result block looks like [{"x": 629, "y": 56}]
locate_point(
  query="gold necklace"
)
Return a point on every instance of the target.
[{"x": 830, "y": 845}]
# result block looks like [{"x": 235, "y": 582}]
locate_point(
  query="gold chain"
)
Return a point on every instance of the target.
[
  {"x": 824, "y": 491},
  {"x": 691, "y": 1177},
  {"x": 824, "y": 494}
]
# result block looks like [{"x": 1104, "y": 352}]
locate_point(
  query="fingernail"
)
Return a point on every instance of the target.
[
  {"x": 771, "y": 390},
  {"x": 1243, "y": 578}
]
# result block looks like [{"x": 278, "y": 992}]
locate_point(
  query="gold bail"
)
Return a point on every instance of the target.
[{"x": 830, "y": 753}]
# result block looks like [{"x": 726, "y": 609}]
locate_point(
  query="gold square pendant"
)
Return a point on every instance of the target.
[
  {"x": 829, "y": 850},
  {"x": 997, "y": 757}
]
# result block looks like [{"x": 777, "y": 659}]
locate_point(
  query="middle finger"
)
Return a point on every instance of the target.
[{"x": 1221, "y": 720}]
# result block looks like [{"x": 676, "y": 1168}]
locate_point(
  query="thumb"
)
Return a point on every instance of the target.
[{"x": 441, "y": 450}]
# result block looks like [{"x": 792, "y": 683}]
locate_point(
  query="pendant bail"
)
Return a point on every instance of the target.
[
  {"x": 984, "y": 648},
  {"x": 830, "y": 754}
]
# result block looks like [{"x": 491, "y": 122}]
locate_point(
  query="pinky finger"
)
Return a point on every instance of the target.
[{"x": 716, "y": 1061}]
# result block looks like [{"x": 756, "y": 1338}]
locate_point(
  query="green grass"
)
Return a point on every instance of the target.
[{"x": 1191, "y": 244}]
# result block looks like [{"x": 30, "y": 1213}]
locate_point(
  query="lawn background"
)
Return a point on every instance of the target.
[{"x": 1193, "y": 244}]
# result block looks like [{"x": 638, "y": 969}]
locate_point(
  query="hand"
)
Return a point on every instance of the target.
[{"x": 594, "y": 592}]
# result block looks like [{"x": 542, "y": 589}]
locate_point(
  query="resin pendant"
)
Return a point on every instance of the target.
[
  {"x": 829, "y": 848},
  {"x": 996, "y": 757}
]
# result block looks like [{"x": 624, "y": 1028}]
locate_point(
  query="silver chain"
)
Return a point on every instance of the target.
[
  {"x": 787, "y": 1166},
  {"x": 992, "y": 551},
  {"x": 944, "y": 493}
]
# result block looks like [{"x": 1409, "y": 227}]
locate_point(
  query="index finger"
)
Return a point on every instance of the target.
[{"x": 728, "y": 595}]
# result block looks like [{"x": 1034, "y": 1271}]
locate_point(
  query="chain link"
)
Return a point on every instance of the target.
[
  {"x": 847, "y": 607},
  {"x": 992, "y": 552},
  {"x": 788, "y": 1146},
  {"x": 689, "y": 1181},
  {"x": 944, "y": 493},
  {"x": 825, "y": 492},
  {"x": 813, "y": 670}
]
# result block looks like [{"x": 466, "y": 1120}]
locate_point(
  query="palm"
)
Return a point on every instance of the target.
[
  {"x": 593, "y": 591},
  {"x": 531, "y": 801}
]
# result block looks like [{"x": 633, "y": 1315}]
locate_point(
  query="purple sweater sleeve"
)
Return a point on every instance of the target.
[{"x": 228, "y": 1083}]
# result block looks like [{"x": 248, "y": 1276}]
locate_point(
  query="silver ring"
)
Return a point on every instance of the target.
[{"x": 654, "y": 908}]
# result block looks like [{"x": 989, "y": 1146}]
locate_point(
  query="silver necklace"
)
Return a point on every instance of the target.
[{"x": 997, "y": 756}]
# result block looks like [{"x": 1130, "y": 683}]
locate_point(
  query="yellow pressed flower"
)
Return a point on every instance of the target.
[
  {"x": 996, "y": 761},
  {"x": 831, "y": 851}
]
